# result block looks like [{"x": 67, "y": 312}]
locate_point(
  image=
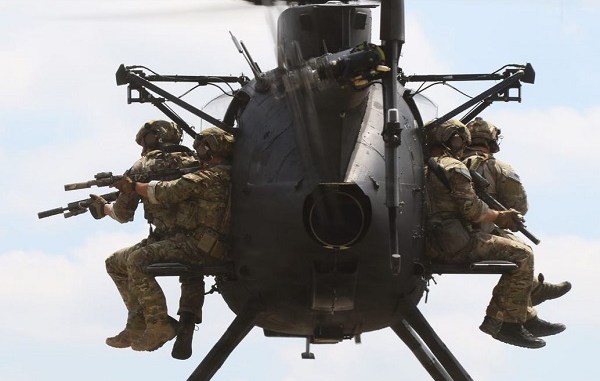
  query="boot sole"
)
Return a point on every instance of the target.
[
  {"x": 544, "y": 334},
  {"x": 118, "y": 345},
  {"x": 160, "y": 342},
  {"x": 519, "y": 344},
  {"x": 506, "y": 340}
]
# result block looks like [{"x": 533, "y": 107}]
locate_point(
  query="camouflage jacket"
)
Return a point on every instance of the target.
[
  {"x": 159, "y": 215},
  {"x": 460, "y": 201},
  {"x": 505, "y": 184},
  {"x": 196, "y": 201}
]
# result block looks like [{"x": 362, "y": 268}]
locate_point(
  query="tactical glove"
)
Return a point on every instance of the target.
[
  {"x": 125, "y": 185},
  {"x": 509, "y": 219},
  {"x": 96, "y": 208}
]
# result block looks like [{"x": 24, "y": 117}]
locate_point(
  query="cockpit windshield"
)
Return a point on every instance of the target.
[
  {"x": 216, "y": 108},
  {"x": 427, "y": 108}
]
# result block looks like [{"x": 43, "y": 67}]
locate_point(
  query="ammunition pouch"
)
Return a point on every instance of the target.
[
  {"x": 211, "y": 243},
  {"x": 448, "y": 237}
]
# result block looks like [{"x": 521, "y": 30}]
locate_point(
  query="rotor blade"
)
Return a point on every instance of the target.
[
  {"x": 159, "y": 13},
  {"x": 272, "y": 14},
  {"x": 300, "y": 95}
]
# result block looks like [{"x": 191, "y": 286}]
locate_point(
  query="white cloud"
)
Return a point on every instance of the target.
[
  {"x": 544, "y": 145},
  {"x": 52, "y": 296},
  {"x": 591, "y": 5},
  {"x": 17, "y": 66}
]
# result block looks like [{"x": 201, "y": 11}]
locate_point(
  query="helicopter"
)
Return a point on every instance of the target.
[{"x": 327, "y": 195}]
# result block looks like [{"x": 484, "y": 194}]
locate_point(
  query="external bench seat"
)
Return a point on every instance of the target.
[
  {"x": 482, "y": 267},
  {"x": 178, "y": 269}
]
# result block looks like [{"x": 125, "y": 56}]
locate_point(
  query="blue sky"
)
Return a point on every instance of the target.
[{"x": 65, "y": 119}]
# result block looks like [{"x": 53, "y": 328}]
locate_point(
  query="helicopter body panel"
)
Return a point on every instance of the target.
[{"x": 318, "y": 261}]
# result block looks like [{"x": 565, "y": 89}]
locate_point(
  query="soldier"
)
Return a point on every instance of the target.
[
  {"x": 452, "y": 209},
  {"x": 148, "y": 325},
  {"x": 505, "y": 186},
  {"x": 199, "y": 207}
]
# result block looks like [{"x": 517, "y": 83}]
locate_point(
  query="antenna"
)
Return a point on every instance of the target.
[{"x": 241, "y": 48}]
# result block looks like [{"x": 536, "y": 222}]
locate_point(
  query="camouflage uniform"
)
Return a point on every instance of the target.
[
  {"x": 160, "y": 239},
  {"x": 196, "y": 227},
  {"x": 451, "y": 214},
  {"x": 191, "y": 219},
  {"x": 505, "y": 186}
]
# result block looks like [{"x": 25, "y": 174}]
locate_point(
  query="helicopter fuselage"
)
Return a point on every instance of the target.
[{"x": 310, "y": 235}]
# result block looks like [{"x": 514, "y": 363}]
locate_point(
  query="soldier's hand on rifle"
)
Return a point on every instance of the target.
[
  {"x": 509, "y": 219},
  {"x": 125, "y": 185},
  {"x": 96, "y": 208}
]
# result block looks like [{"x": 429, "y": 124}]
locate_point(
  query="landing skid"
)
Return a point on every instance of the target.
[
  {"x": 239, "y": 328},
  {"x": 432, "y": 353}
]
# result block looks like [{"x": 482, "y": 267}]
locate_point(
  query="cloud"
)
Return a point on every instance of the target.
[
  {"x": 17, "y": 65},
  {"x": 70, "y": 292},
  {"x": 554, "y": 138}
]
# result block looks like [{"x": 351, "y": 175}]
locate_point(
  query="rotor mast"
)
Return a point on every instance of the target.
[{"x": 392, "y": 38}]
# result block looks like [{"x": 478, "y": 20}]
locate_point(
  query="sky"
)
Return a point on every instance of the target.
[{"x": 65, "y": 120}]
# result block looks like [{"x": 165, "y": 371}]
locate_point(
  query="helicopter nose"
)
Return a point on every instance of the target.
[{"x": 337, "y": 215}]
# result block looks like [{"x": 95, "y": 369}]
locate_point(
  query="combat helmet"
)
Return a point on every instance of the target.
[
  {"x": 485, "y": 133},
  {"x": 451, "y": 135},
  {"x": 214, "y": 141},
  {"x": 166, "y": 132}
]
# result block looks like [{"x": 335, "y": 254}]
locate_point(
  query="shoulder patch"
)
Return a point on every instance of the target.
[
  {"x": 475, "y": 160},
  {"x": 508, "y": 171},
  {"x": 462, "y": 170},
  {"x": 196, "y": 177},
  {"x": 452, "y": 165}
]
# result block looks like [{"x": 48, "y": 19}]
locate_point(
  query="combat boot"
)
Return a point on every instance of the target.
[
  {"x": 182, "y": 349},
  {"x": 490, "y": 326},
  {"x": 546, "y": 291},
  {"x": 510, "y": 333},
  {"x": 124, "y": 338},
  {"x": 155, "y": 335},
  {"x": 538, "y": 327},
  {"x": 133, "y": 330}
]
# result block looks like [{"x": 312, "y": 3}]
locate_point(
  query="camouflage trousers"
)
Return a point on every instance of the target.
[
  {"x": 531, "y": 312},
  {"x": 511, "y": 297},
  {"x": 141, "y": 293}
]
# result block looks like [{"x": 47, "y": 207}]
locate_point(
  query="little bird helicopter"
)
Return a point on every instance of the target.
[{"x": 327, "y": 194}]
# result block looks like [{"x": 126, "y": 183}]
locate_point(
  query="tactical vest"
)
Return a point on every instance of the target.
[
  {"x": 451, "y": 207},
  {"x": 200, "y": 205},
  {"x": 505, "y": 184},
  {"x": 159, "y": 216}
]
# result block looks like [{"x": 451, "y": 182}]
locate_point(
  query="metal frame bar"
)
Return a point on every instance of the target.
[
  {"x": 126, "y": 76},
  {"x": 421, "y": 352},
  {"x": 413, "y": 317},
  {"x": 237, "y": 331}
]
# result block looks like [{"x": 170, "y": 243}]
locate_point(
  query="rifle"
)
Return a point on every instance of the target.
[
  {"x": 77, "y": 207},
  {"x": 481, "y": 185},
  {"x": 104, "y": 179}
]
